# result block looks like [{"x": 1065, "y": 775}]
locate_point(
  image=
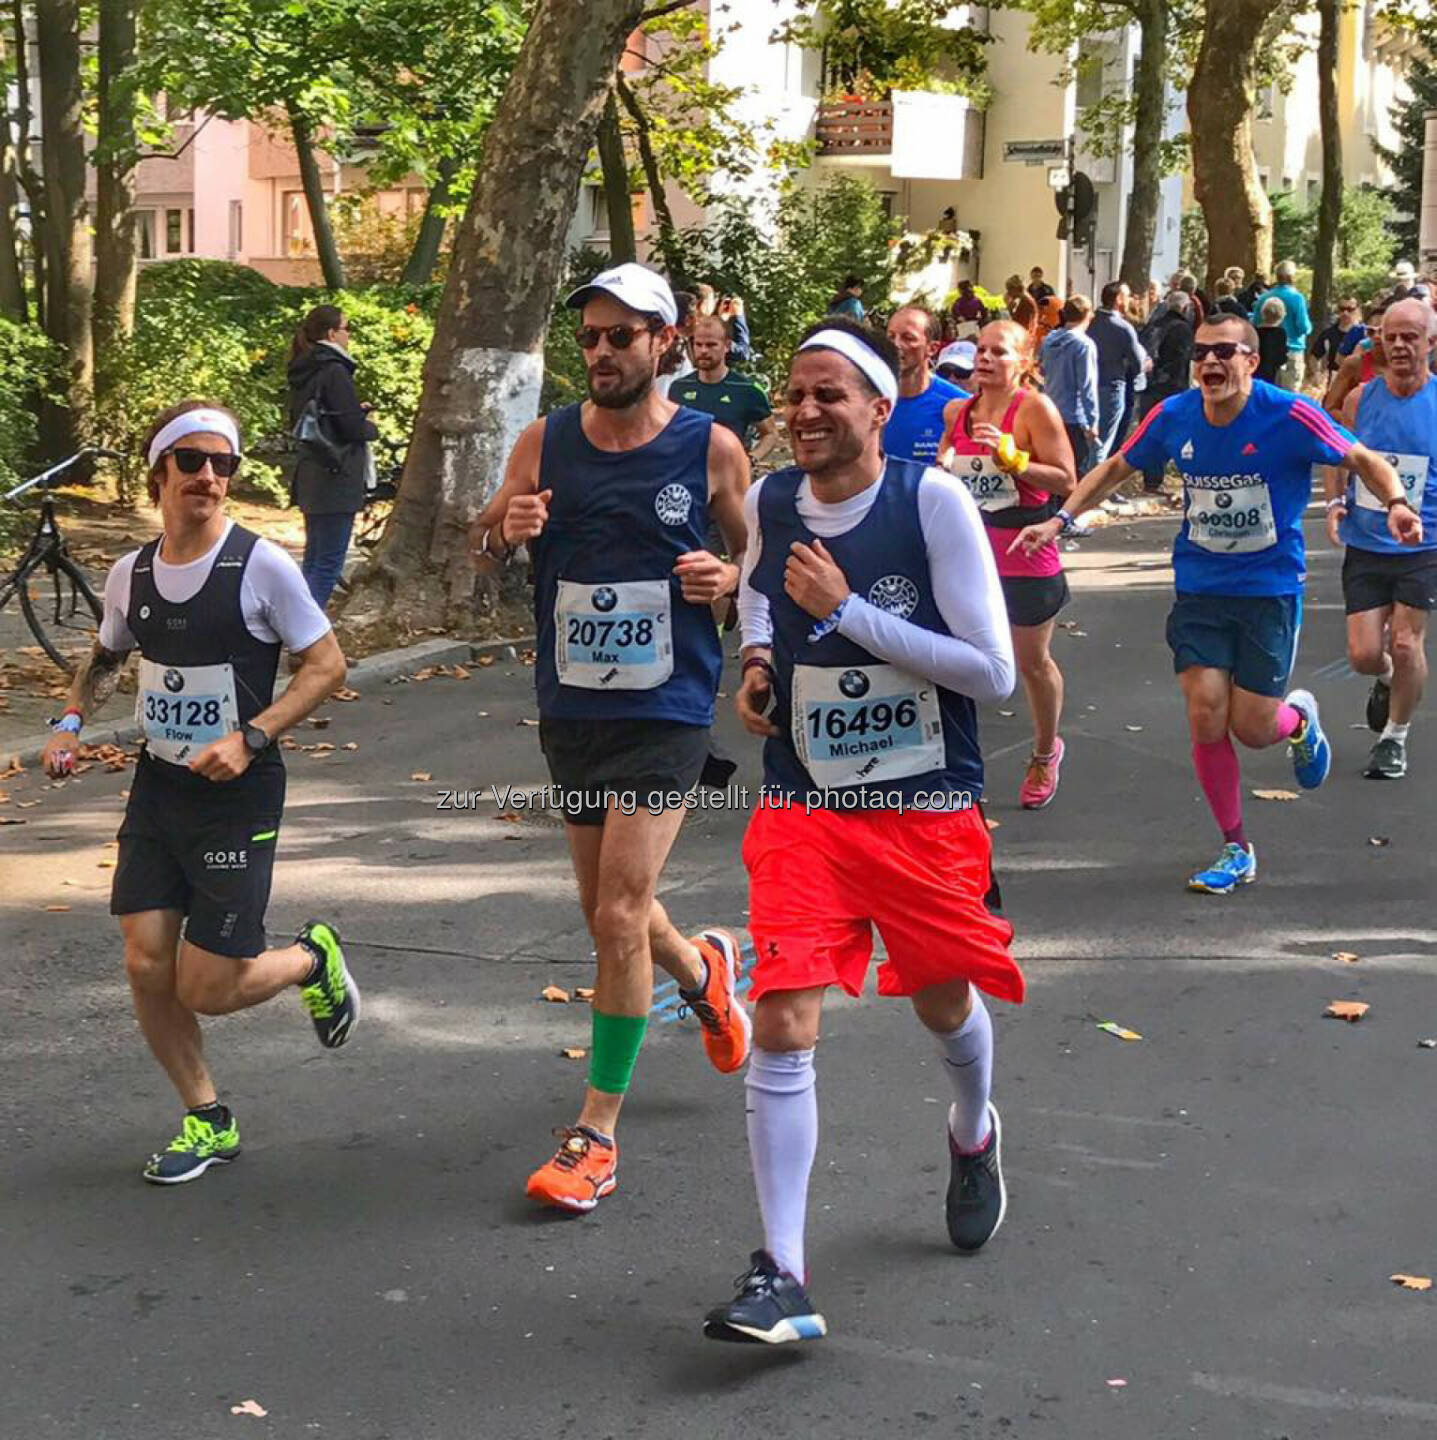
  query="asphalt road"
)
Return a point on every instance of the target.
[{"x": 1209, "y": 1215}]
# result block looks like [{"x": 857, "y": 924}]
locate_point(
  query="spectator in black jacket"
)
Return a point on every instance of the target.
[
  {"x": 322, "y": 369},
  {"x": 1272, "y": 341},
  {"x": 1168, "y": 338},
  {"x": 1226, "y": 301}
]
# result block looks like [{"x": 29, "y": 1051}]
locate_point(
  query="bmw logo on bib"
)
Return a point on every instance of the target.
[
  {"x": 174, "y": 681},
  {"x": 604, "y": 599},
  {"x": 1223, "y": 500},
  {"x": 896, "y": 594},
  {"x": 854, "y": 684},
  {"x": 673, "y": 503}
]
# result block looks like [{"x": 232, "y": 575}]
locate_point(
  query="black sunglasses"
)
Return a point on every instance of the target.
[
  {"x": 619, "y": 336},
  {"x": 191, "y": 461},
  {"x": 1221, "y": 350}
]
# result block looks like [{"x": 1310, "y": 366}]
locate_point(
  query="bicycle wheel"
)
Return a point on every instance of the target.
[{"x": 61, "y": 610}]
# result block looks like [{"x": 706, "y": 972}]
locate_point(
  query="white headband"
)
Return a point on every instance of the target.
[
  {"x": 875, "y": 371},
  {"x": 194, "y": 422}
]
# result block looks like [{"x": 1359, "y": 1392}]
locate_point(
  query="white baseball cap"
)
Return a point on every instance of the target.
[
  {"x": 962, "y": 355},
  {"x": 1403, "y": 272},
  {"x": 636, "y": 286}
]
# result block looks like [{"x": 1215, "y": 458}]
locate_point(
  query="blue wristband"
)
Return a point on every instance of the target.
[{"x": 829, "y": 623}]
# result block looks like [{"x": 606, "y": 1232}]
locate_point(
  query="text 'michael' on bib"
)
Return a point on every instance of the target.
[{"x": 864, "y": 724}]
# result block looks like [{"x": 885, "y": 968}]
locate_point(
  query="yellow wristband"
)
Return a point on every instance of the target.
[{"x": 1011, "y": 460}]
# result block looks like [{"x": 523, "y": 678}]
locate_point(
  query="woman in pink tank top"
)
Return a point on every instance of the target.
[{"x": 1008, "y": 445}]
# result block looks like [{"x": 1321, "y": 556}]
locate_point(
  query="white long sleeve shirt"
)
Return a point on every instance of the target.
[{"x": 976, "y": 658}]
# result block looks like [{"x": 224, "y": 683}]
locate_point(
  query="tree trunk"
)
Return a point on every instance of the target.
[
  {"x": 484, "y": 370},
  {"x": 30, "y": 179},
  {"x": 1150, "y": 93},
  {"x": 668, "y": 232},
  {"x": 419, "y": 268},
  {"x": 116, "y": 252},
  {"x": 1329, "y": 211},
  {"x": 327, "y": 251},
  {"x": 1220, "y": 106},
  {"x": 68, "y": 258},
  {"x": 618, "y": 199}
]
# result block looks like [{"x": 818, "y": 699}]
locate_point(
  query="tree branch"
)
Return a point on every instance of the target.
[{"x": 668, "y": 8}]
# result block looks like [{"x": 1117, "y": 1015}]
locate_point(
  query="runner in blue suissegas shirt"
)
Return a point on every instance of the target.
[
  {"x": 1245, "y": 450},
  {"x": 1390, "y": 589}
]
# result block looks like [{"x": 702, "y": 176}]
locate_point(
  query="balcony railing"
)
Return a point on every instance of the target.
[{"x": 855, "y": 127}]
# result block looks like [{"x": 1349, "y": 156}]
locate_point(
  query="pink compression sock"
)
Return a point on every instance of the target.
[
  {"x": 1221, "y": 781},
  {"x": 1289, "y": 721}
]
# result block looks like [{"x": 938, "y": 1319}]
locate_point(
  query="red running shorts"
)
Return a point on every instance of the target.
[{"x": 820, "y": 880}]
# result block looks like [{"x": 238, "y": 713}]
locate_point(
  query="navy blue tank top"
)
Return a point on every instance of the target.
[
  {"x": 870, "y": 733},
  {"x": 616, "y": 638}
]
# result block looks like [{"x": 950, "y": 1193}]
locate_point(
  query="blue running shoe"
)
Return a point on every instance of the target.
[
  {"x": 771, "y": 1308},
  {"x": 1234, "y": 867},
  {"x": 1311, "y": 754}
]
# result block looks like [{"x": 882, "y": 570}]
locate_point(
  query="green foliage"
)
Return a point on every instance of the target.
[
  {"x": 31, "y": 369},
  {"x": 874, "y": 47},
  {"x": 785, "y": 258},
  {"x": 1409, "y": 118},
  {"x": 211, "y": 330},
  {"x": 1365, "y": 237}
]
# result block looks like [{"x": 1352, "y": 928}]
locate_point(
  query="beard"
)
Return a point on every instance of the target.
[{"x": 622, "y": 395}]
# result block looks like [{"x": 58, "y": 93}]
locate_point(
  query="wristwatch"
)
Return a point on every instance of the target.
[{"x": 255, "y": 739}]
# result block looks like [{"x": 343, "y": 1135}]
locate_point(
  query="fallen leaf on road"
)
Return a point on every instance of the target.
[
  {"x": 421, "y": 775},
  {"x": 509, "y": 817},
  {"x": 582, "y": 992},
  {"x": 1007, "y": 714},
  {"x": 485, "y": 661},
  {"x": 460, "y": 673},
  {"x": 991, "y": 824},
  {"x": 345, "y": 694},
  {"x": 13, "y": 768},
  {"x": 104, "y": 865},
  {"x": 483, "y": 714},
  {"x": 11, "y": 820},
  {"x": 349, "y": 745},
  {"x": 1078, "y": 634},
  {"x": 28, "y": 804},
  {"x": 554, "y": 994},
  {"x": 1121, "y": 1031},
  {"x": 288, "y": 744},
  {"x": 1413, "y": 1282},
  {"x": 250, "y": 1407},
  {"x": 1117, "y": 1384},
  {"x": 1276, "y": 794},
  {"x": 427, "y": 673},
  {"x": 319, "y": 722},
  {"x": 1350, "y": 1010},
  {"x": 322, "y": 747},
  {"x": 573, "y": 1052},
  {"x": 57, "y": 909},
  {"x": 527, "y": 721},
  {"x": 1378, "y": 840},
  {"x": 1133, "y": 728},
  {"x": 1347, "y": 957}
]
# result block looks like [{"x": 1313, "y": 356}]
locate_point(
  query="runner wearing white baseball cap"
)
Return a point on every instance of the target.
[
  {"x": 634, "y": 286},
  {"x": 955, "y": 362}
]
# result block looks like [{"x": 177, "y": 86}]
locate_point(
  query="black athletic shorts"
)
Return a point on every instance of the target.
[
  {"x": 1034, "y": 599},
  {"x": 206, "y": 852},
  {"x": 639, "y": 764},
  {"x": 1375, "y": 579}
]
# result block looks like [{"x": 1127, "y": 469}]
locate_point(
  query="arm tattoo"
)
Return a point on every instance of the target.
[{"x": 98, "y": 677}]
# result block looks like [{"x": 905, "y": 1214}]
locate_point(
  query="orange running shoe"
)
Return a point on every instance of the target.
[
  {"x": 727, "y": 1031},
  {"x": 581, "y": 1173}
]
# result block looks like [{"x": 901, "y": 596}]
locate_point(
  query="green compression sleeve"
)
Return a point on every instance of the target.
[{"x": 616, "y": 1043}]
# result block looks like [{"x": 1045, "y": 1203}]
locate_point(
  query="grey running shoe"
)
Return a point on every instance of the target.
[
  {"x": 1388, "y": 760},
  {"x": 977, "y": 1197}
]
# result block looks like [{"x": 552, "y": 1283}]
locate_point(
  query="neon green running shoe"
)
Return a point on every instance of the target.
[
  {"x": 198, "y": 1146},
  {"x": 332, "y": 1000}
]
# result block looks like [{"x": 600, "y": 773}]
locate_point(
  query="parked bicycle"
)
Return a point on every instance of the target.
[
  {"x": 56, "y": 598},
  {"x": 379, "y": 499}
]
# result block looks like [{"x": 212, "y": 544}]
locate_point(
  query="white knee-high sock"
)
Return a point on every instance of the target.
[
  {"x": 782, "y": 1141},
  {"x": 968, "y": 1059}
]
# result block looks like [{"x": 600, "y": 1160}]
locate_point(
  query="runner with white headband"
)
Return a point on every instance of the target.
[
  {"x": 873, "y": 625},
  {"x": 208, "y": 606}
]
